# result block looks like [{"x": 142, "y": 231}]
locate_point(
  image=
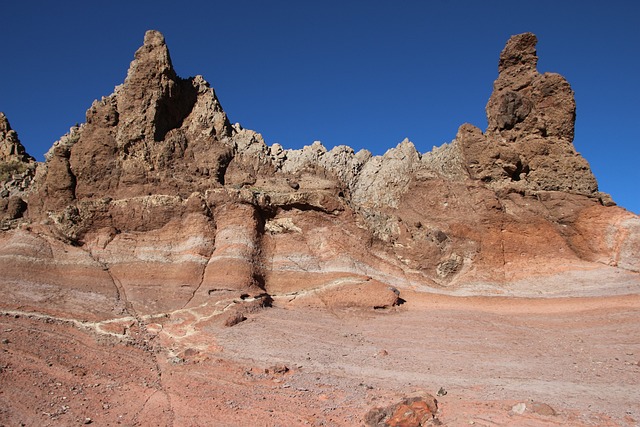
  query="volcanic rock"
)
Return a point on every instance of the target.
[
  {"x": 161, "y": 192},
  {"x": 417, "y": 411},
  {"x": 157, "y": 221},
  {"x": 530, "y": 129},
  {"x": 11, "y": 150},
  {"x": 17, "y": 169}
]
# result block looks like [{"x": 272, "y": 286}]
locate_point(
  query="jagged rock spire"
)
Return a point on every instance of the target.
[
  {"x": 519, "y": 53},
  {"x": 156, "y": 133},
  {"x": 526, "y": 103},
  {"x": 529, "y": 137},
  {"x": 11, "y": 150},
  {"x": 151, "y": 60},
  {"x": 151, "y": 101}
]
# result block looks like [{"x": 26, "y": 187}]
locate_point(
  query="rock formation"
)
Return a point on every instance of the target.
[
  {"x": 16, "y": 172},
  {"x": 530, "y": 128},
  {"x": 157, "y": 226},
  {"x": 11, "y": 150},
  {"x": 176, "y": 207}
]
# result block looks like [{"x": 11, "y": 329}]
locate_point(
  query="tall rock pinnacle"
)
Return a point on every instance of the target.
[
  {"x": 152, "y": 100},
  {"x": 11, "y": 150},
  {"x": 519, "y": 54},
  {"x": 526, "y": 103},
  {"x": 150, "y": 136},
  {"x": 530, "y": 130},
  {"x": 151, "y": 59}
]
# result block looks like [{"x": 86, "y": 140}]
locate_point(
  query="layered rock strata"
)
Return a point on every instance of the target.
[{"x": 157, "y": 204}]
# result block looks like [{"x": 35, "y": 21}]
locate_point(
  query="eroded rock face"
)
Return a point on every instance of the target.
[
  {"x": 530, "y": 129},
  {"x": 174, "y": 210},
  {"x": 11, "y": 150},
  {"x": 157, "y": 134},
  {"x": 17, "y": 169}
]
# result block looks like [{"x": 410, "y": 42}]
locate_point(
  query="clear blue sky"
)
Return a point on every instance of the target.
[{"x": 361, "y": 73}]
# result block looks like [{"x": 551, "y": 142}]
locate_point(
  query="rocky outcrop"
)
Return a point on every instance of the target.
[
  {"x": 17, "y": 169},
  {"x": 163, "y": 202},
  {"x": 11, "y": 150},
  {"x": 157, "y": 134},
  {"x": 138, "y": 261},
  {"x": 530, "y": 129}
]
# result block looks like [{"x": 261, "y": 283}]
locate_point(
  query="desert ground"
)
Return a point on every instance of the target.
[{"x": 488, "y": 361}]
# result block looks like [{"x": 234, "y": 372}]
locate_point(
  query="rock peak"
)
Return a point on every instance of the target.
[
  {"x": 530, "y": 130},
  {"x": 519, "y": 53},
  {"x": 153, "y": 38},
  {"x": 152, "y": 60},
  {"x": 11, "y": 149}
]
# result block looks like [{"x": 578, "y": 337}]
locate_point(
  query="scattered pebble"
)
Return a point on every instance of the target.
[
  {"x": 541, "y": 409},
  {"x": 277, "y": 369},
  {"x": 519, "y": 408}
]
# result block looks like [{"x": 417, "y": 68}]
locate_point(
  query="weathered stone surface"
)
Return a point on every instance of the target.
[
  {"x": 156, "y": 223},
  {"x": 157, "y": 134},
  {"x": 17, "y": 170},
  {"x": 530, "y": 129},
  {"x": 185, "y": 210},
  {"x": 417, "y": 411},
  {"x": 11, "y": 150}
]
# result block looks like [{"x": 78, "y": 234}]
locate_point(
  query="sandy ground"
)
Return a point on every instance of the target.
[{"x": 500, "y": 361}]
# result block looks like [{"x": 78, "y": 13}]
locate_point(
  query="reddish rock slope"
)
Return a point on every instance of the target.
[{"x": 158, "y": 219}]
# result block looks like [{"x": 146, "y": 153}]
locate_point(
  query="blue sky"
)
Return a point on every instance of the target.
[{"x": 361, "y": 73}]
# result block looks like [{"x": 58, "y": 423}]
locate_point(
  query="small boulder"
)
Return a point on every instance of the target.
[{"x": 409, "y": 412}]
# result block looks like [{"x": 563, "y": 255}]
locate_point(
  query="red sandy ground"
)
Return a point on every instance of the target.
[{"x": 578, "y": 356}]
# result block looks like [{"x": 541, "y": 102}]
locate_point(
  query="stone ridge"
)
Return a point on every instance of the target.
[
  {"x": 160, "y": 196},
  {"x": 160, "y": 134}
]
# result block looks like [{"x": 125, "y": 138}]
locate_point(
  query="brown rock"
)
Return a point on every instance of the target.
[
  {"x": 519, "y": 54},
  {"x": 530, "y": 129},
  {"x": 156, "y": 134},
  {"x": 17, "y": 169},
  {"x": 15, "y": 207},
  {"x": 156, "y": 223},
  {"x": 11, "y": 150},
  {"x": 181, "y": 212},
  {"x": 409, "y": 412},
  {"x": 541, "y": 409},
  {"x": 277, "y": 369},
  {"x": 370, "y": 294},
  {"x": 234, "y": 318}
]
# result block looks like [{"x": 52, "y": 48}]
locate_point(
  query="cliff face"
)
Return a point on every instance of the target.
[{"x": 157, "y": 203}]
